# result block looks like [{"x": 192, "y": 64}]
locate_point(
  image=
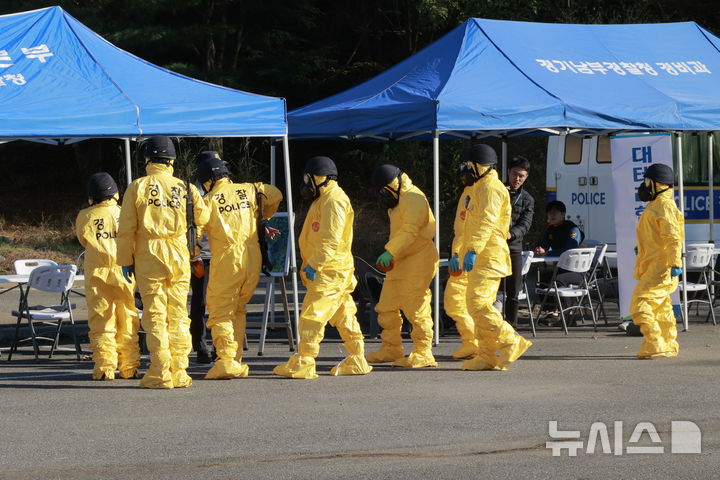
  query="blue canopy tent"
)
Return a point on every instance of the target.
[
  {"x": 60, "y": 83},
  {"x": 503, "y": 78}
]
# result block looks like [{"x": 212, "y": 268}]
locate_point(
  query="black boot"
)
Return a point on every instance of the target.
[{"x": 204, "y": 356}]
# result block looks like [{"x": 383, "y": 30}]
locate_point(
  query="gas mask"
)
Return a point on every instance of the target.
[
  {"x": 389, "y": 197},
  {"x": 647, "y": 190},
  {"x": 467, "y": 173},
  {"x": 310, "y": 189}
]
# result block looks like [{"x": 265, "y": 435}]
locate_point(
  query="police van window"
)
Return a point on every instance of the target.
[
  {"x": 695, "y": 156},
  {"x": 573, "y": 150},
  {"x": 603, "y": 150}
]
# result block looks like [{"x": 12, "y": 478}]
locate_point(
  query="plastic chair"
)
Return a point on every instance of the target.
[
  {"x": 527, "y": 257},
  {"x": 577, "y": 260},
  {"x": 698, "y": 258},
  {"x": 598, "y": 265},
  {"x": 55, "y": 278},
  {"x": 523, "y": 294},
  {"x": 25, "y": 267}
]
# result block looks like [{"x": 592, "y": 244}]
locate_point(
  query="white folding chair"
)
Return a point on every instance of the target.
[
  {"x": 527, "y": 257},
  {"x": 24, "y": 267},
  {"x": 698, "y": 259},
  {"x": 55, "y": 278},
  {"x": 577, "y": 260},
  {"x": 598, "y": 264}
]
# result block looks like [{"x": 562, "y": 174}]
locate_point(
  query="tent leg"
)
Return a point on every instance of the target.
[
  {"x": 711, "y": 187},
  {"x": 711, "y": 196},
  {"x": 503, "y": 173},
  {"x": 291, "y": 219},
  {"x": 272, "y": 163},
  {"x": 682, "y": 210},
  {"x": 436, "y": 211},
  {"x": 128, "y": 166}
]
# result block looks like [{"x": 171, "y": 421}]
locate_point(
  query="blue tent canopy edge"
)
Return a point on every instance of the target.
[
  {"x": 517, "y": 78},
  {"x": 59, "y": 79}
]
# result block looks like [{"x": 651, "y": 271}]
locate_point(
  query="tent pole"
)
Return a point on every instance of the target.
[
  {"x": 436, "y": 211},
  {"x": 128, "y": 171},
  {"x": 682, "y": 210},
  {"x": 504, "y": 159},
  {"x": 711, "y": 187},
  {"x": 711, "y": 196},
  {"x": 272, "y": 163},
  {"x": 291, "y": 219}
]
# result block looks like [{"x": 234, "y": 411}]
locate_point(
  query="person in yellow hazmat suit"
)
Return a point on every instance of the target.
[
  {"x": 411, "y": 253},
  {"x": 660, "y": 236},
  {"x": 112, "y": 318},
  {"x": 327, "y": 273},
  {"x": 456, "y": 287},
  {"x": 153, "y": 245},
  {"x": 486, "y": 259},
  {"x": 232, "y": 229}
]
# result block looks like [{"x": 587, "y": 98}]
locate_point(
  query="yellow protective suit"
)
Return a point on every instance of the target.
[
  {"x": 660, "y": 235},
  {"x": 412, "y": 228},
  {"x": 456, "y": 287},
  {"x": 486, "y": 227},
  {"x": 112, "y": 318},
  {"x": 152, "y": 236},
  {"x": 235, "y": 267},
  {"x": 325, "y": 244}
]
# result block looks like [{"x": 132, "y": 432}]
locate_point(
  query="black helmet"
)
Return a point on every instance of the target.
[
  {"x": 101, "y": 186},
  {"x": 159, "y": 147},
  {"x": 321, "y": 166},
  {"x": 210, "y": 166},
  {"x": 384, "y": 175},
  {"x": 481, "y": 154},
  {"x": 661, "y": 173}
]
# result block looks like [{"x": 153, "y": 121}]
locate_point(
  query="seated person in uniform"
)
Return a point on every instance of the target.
[{"x": 560, "y": 234}]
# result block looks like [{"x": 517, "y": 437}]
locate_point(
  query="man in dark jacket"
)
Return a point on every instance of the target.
[{"x": 523, "y": 207}]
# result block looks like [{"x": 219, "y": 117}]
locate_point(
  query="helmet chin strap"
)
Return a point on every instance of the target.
[
  {"x": 163, "y": 160},
  {"x": 396, "y": 192},
  {"x": 476, "y": 168}
]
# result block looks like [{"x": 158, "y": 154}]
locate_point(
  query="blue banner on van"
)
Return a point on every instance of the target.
[{"x": 697, "y": 203}]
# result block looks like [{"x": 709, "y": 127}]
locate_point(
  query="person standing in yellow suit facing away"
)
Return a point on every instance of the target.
[
  {"x": 413, "y": 259},
  {"x": 112, "y": 318},
  {"x": 236, "y": 257},
  {"x": 660, "y": 236},
  {"x": 327, "y": 273},
  {"x": 486, "y": 259},
  {"x": 153, "y": 246},
  {"x": 456, "y": 287}
]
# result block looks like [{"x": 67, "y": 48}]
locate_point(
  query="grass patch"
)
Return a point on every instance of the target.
[{"x": 55, "y": 242}]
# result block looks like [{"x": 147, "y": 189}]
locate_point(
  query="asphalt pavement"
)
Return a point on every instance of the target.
[{"x": 393, "y": 423}]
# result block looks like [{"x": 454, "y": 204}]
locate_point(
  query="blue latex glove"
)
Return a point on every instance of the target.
[
  {"x": 309, "y": 273},
  {"x": 454, "y": 263},
  {"x": 384, "y": 259},
  {"x": 675, "y": 271},
  {"x": 469, "y": 261},
  {"x": 128, "y": 272}
]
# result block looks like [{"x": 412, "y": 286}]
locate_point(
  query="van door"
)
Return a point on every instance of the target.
[
  {"x": 571, "y": 177},
  {"x": 600, "y": 224}
]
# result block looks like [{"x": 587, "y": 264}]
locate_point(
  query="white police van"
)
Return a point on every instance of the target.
[{"x": 579, "y": 174}]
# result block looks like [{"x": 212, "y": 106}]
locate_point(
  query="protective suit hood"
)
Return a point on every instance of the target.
[{"x": 158, "y": 168}]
